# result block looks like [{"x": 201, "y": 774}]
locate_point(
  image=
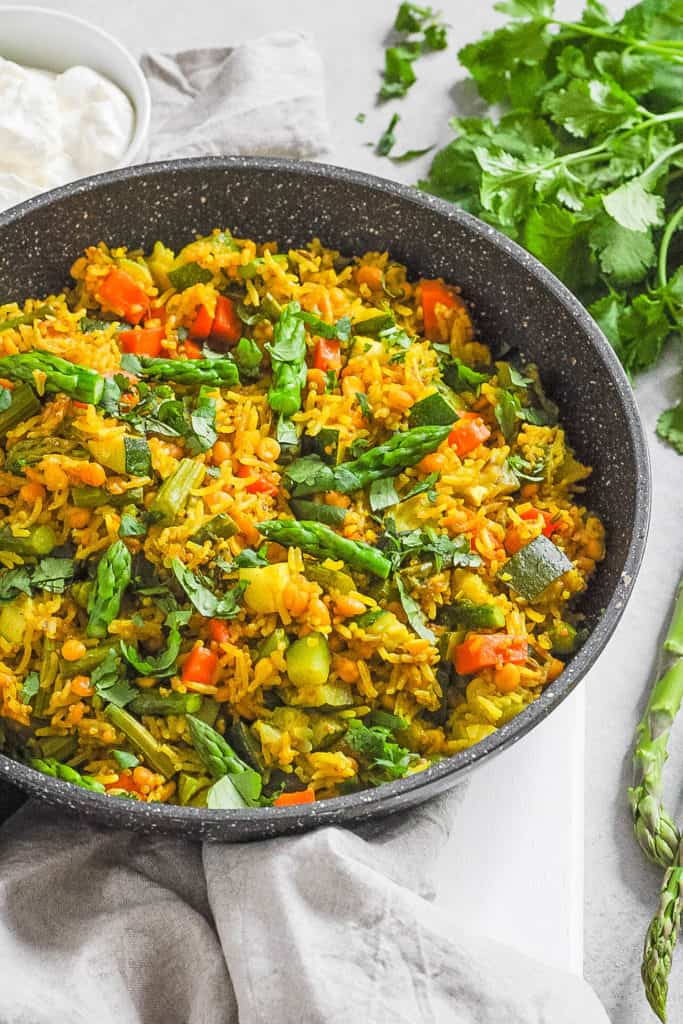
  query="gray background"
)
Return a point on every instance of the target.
[{"x": 620, "y": 891}]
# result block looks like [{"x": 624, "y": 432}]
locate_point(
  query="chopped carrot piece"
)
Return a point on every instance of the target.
[
  {"x": 201, "y": 325},
  {"x": 191, "y": 350},
  {"x": 435, "y": 293},
  {"x": 143, "y": 341},
  {"x": 124, "y": 296},
  {"x": 468, "y": 433},
  {"x": 327, "y": 354},
  {"x": 302, "y": 796},
  {"x": 200, "y": 666},
  {"x": 219, "y": 631},
  {"x": 370, "y": 275},
  {"x": 227, "y": 326},
  {"x": 488, "y": 650}
]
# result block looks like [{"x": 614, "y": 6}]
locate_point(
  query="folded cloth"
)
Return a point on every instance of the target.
[
  {"x": 325, "y": 928},
  {"x": 263, "y": 98}
]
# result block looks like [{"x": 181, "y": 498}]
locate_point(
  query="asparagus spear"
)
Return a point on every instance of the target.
[
  {"x": 113, "y": 576},
  {"x": 48, "y": 766},
  {"x": 24, "y": 404},
  {"x": 175, "y": 491},
  {"x": 172, "y": 704},
  {"x": 49, "y": 667},
  {"x": 655, "y": 830},
  {"x": 190, "y": 373},
  {"x": 288, "y": 357},
  {"x": 318, "y": 540},
  {"x": 311, "y": 475},
  {"x": 59, "y": 375},
  {"x": 95, "y": 497},
  {"x": 220, "y": 759},
  {"x": 33, "y": 450},
  {"x": 26, "y": 318},
  {"x": 158, "y": 755},
  {"x": 661, "y": 938}
]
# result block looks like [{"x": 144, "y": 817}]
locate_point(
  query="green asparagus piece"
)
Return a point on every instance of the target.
[
  {"x": 661, "y": 938},
  {"x": 113, "y": 576},
  {"x": 23, "y": 406},
  {"x": 220, "y": 527},
  {"x": 95, "y": 497},
  {"x": 221, "y": 372},
  {"x": 33, "y": 450},
  {"x": 78, "y": 382},
  {"x": 288, "y": 358},
  {"x": 48, "y": 766},
  {"x": 318, "y": 540},
  {"x": 173, "y": 704},
  {"x": 49, "y": 667},
  {"x": 311, "y": 475},
  {"x": 175, "y": 491},
  {"x": 40, "y": 541},
  {"x": 59, "y": 748},
  {"x": 189, "y": 786},
  {"x": 158, "y": 755},
  {"x": 220, "y": 759},
  {"x": 93, "y": 657},
  {"x": 655, "y": 830},
  {"x": 208, "y": 712}
]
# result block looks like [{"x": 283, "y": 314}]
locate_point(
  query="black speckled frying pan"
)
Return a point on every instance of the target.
[{"x": 515, "y": 302}]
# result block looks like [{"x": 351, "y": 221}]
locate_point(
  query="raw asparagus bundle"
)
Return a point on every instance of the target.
[{"x": 655, "y": 829}]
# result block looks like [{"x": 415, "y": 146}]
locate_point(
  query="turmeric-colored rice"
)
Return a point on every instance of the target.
[{"x": 324, "y": 678}]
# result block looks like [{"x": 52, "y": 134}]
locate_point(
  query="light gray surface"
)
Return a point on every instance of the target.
[{"x": 620, "y": 890}]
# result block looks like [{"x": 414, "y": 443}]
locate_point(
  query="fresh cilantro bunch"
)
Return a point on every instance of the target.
[{"x": 585, "y": 167}]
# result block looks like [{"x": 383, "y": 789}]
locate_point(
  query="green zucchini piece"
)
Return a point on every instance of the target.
[
  {"x": 187, "y": 274},
  {"x": 534, "y": 568},
  {"x": 433, "y": 411},
  {"x": 137, "y": 456},
  {"x": 471, "y": 615},
  {"x": 563, "y": 639},
  {"x": 371, "y": 327},
  {"x": 277, "y": 641}
]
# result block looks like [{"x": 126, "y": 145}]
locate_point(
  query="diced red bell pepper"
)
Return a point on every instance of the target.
[
  {"x": 488, "y": 650},
  {"x": 258, "y": 486},
  {"x": 142, "y": 341},
  {"x": 123, "y": 296},
  {"x": 227, "y": 326},
  {"x": 302, "y": 796},
  {"x": 191, "y": 350},
  {"x": 158, "y": 313},
  {"x": 219, "y": 631},
  {"x": 200, "y": 666},
  {"x": 327, "y": 354},
  {"x": 550, "y": 524},
  {"x": 435, "y": 293},
  {"x": 468, "y": 433},
  {"x": 201, "y": 325}
]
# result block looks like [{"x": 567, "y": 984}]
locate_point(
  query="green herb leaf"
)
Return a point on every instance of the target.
[
  {"x": 124, "y": 759},
  {"x": 30, "y": 687},
  {"x": 203, "y": 599},
  {"x": 164, "y": 663},
  {"x": 382, "y": 494},
  {"x": 131, "y": 527},
  {"x": 387, "y": 139},
  {"x": 109, "y": 682},
  {"x": 53, "y": 574}
]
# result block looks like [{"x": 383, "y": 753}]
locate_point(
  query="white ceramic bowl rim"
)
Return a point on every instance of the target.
[{"x": 141, "y": 100}]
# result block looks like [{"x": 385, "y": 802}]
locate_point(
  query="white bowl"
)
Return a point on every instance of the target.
[{"x": 43, "y": 38}]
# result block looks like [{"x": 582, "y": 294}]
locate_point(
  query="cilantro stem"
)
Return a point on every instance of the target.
[
  {"x": 671, "y": 228},
  {"x": 661, "y": 159},
  {"x": 662, "y": 47}
]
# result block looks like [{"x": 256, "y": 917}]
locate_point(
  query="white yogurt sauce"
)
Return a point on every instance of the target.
[{"x": 56, "y": 128}]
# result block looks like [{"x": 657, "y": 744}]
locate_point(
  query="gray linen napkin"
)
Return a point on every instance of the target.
[
  {"x": 263, "y": 98},
  {"x": 326, "y": 928}
]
